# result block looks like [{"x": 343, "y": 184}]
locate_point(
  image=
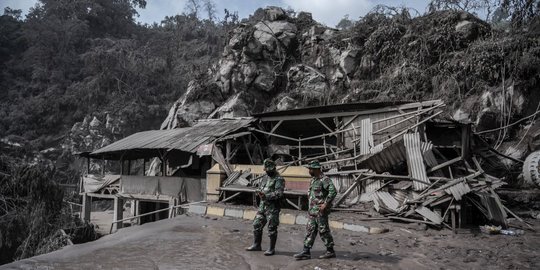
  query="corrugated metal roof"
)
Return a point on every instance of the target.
[
  {"x": 458, "y": 190},
  {"x": 390, "y": 202},
  {"x": 183, "y": 139},
  {"x": 385, "y": 159},
  {"x": 366, "y": 139}
]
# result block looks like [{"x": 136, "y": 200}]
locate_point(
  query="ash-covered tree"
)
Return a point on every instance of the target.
[{"x": 345, "y": 23}]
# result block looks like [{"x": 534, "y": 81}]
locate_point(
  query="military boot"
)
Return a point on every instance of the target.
[
  {"x": 257, "y": 238},
  {"x": 271, "y": 249},
  {"x": 330, "y": 253},
  {"x": 304, "y": 255}
]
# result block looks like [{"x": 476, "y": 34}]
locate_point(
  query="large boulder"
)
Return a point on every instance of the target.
[
  {"x": 270, "y": 13},
  {"x": 269, "y": 33},
  {"x": 349, "y": 60},
  {"x": 308, "y": 82},
  {"x": 200, "y": 99}
]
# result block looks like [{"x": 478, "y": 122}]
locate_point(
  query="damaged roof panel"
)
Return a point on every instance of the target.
[
  {"x": 342, "y": 110},
  {"x": 184, "y": 139}
]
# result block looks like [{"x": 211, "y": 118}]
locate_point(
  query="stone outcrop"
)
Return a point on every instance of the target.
[{"x": 93, "y": 133}]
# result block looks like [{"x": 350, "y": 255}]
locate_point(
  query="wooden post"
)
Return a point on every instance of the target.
[
  {"x": 129, "y": 167},
  {"x": 118, "y": 211},
  {"x": 138, "y": 210},
  {"x": 144, "y": 167},
  {"x": 300, "y": 151},
  {"x": 102, "y": 165},
  {"x": 121, "y": 166},
  {"x": 164, "y": 167},
  {"x": 86, "y": 207},
  {"x": 247, "y": 150},
  {"x": 133, "y": 209},
  {"x": 172, "y": 210},
  {"x": 228, "y": 151},
  {"x": 465, "y": 142}
]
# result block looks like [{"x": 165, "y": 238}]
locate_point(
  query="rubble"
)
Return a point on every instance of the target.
[
  {"x": 410, "y": 165},
  {"x": 428, "y": 188}
]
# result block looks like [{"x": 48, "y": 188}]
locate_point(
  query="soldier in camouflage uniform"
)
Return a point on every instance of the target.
[
  {"x": 270, "y": 191},
  {"x": 321, "y": 193}
]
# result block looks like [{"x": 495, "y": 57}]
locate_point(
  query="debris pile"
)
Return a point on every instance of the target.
[{"x": 414, "y": 180}]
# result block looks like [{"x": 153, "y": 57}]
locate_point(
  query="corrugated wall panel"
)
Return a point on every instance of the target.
[{"x": 415, "y": 161}]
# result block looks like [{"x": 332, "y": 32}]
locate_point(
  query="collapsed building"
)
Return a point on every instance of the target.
[{"x": 403, "y": 159}]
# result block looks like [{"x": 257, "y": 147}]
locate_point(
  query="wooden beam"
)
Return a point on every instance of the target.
[
  {"x": 350, "y": 121},
  {"x": 276, "y": 126},
  {"x": 247, "y": 151},
  {"x": 273, "y": 134},
  {"x": 414, "y": 126},
  {"x": 405, "y": 114},
  {"x": 324, "y": 125},
  {"x": 231, "y": 197},
  {"x": 445, "y": 164},
  {"x": 396, "y": 123},
  {"x": 294, "y": 205}
]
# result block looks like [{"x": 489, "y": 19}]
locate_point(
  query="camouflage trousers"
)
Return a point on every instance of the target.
[
  {"x": 318, "y": 224},
  {"x": 267, "y": 213}
]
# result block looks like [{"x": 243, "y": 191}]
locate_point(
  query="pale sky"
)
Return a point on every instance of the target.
[{"x": 328, "y": 12}]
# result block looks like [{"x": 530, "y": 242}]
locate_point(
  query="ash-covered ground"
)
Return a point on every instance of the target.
[{"x": 194, "y": 242}]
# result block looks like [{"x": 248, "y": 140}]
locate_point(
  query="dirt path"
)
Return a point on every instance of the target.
[{"x": 192, "y": 242}]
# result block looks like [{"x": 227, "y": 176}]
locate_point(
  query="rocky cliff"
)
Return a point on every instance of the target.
[{"x": 275, "y": 61}]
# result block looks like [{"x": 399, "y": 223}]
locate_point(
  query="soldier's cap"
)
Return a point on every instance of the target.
[
  {"x": 269, "y": 164},
  {"x": 313, "y": 165}
]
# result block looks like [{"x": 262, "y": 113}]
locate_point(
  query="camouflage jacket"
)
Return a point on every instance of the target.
[
  {"x": 273, "y": 188},
  {"x": 321, "y": 190}
]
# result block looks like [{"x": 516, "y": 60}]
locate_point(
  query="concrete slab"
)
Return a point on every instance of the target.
[
  {"x": 335, "y": 224},
  {"x": 231, "y": 212},
  {"x": 287, "y": 219},
  {"x": 197, "y": 209},
  {"x": 215, "y": 211}
]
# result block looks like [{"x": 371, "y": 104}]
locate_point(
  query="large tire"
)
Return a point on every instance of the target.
[{"x": 531, "y": 169}]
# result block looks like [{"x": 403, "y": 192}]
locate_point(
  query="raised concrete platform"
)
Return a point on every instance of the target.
[{"x": 299, "y": 218}]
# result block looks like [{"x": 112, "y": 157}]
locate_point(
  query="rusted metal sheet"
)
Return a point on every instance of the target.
[
  {"x": 430, "y": 215},
  {"x": 458, "y": 190},
  {"x": 184, "y": 139},
  {"x": 384, "y": 160},
  {"x": 415, "y": 161},
  {"x": 366, "y": 136}
]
